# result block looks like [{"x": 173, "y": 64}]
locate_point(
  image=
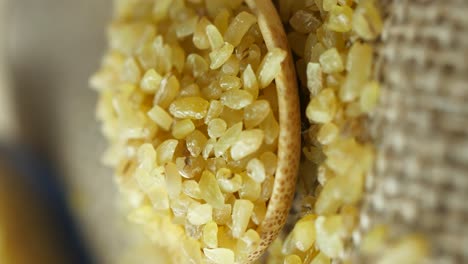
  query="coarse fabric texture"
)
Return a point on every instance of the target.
[{"x": 420, "y": 179}]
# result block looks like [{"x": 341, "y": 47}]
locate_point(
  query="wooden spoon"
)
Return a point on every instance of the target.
[{"x": 289, "y": 143}]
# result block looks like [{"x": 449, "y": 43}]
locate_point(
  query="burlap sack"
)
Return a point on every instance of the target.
[{"x": 420, "y": 179}]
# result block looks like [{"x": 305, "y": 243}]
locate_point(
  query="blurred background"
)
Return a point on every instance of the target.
[{"x": 50, "y": 172}]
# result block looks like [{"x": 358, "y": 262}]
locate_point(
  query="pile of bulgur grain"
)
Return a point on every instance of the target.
[
  {"x": 333, "y": 45},
  {"x": 189, "y": 105},
  {"x": 332, "y": 42}
]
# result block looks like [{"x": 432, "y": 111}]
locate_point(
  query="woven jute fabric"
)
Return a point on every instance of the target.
[{"x": 420, "y": 179}]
